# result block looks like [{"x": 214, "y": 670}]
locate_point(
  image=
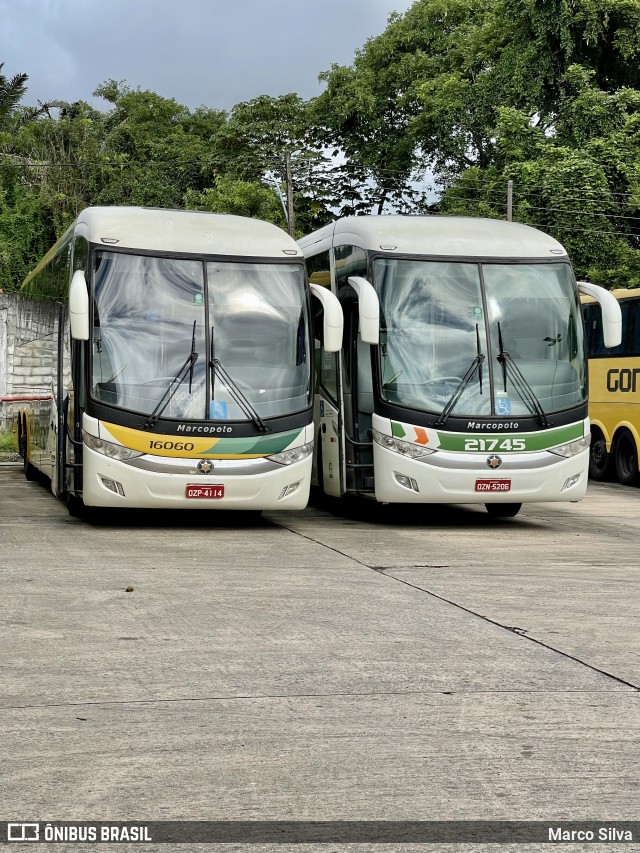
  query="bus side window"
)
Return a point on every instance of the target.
[
  {"x": 325, "y": 362},
  {"x": 596, "y": 341},
  {"x": 634, "y": 326},
  {"x": 319, "y": 269},
  {"x": 319, "y": 272},
  {"x": 350, "y": 260},
  {"x": 586, "y": 322}
]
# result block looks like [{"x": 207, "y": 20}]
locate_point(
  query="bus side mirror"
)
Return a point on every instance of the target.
[
  {"x": 333, "y": 318},
  {"x": 79, "y": 307},
  {"x": 611, "y": 314},
  {"x": 368, "y": 308}
]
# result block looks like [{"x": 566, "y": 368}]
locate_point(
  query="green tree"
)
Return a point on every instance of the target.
[
  {"x": 541, "y": 92},
  {"x": 261, "y": 136},
  {"x": 155, "y": 149},
  {"x": 579, "y": 183},
  {"x": 25, "y": 231},
  {"x": 242, "y": 198},
  {"x": 11, "y": 93},
  {"x": 416, "y": 96}
]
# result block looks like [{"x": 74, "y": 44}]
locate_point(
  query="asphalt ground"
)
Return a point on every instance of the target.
[{"x": 344, "y": 663}]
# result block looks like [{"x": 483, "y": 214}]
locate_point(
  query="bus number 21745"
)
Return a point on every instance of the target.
[{"x": 490, "y": 444}]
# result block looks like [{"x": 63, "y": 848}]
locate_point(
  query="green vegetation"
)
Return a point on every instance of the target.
[
  {"x": 468, "y": 94},
  {"x": 8, "y": 443}
]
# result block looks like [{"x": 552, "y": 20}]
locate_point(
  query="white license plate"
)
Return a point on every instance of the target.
[
  {"x": 493, "y": 485},
  {"x": 207, "y": 492}
]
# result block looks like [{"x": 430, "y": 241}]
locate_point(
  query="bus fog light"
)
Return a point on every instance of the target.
[
  {"x": 570, "y": 481},
  {"x": 407, "y": 482},
  {"x": 289, "y": 490},
  {"x": 112, "y": 485}
]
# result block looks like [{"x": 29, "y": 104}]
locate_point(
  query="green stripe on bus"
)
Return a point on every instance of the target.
[
  {"x": 532, "y": 440},
  {"x": 264, "y": 445}
]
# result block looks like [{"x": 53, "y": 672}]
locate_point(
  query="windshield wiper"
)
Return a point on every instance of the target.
[
  {"x": 474, "y": 367},
  {"x": 235, "y": 392},
  {"x": 526, "y": 392},
  {"x": 178, "y": 379}
]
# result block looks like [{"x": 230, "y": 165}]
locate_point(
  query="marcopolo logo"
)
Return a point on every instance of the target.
[
  {"x": 206, "y": 429},
  {"x": 489, "y": 426},
  {"x": 625, "y": 380}
]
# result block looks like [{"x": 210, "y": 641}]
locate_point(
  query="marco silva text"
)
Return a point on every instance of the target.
[{"x": 600, "y": 833}]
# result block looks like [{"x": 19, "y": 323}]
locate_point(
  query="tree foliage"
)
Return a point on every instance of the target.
[
  {"x": 470, "y": 94},
  {"x": 540, "y": 92}
]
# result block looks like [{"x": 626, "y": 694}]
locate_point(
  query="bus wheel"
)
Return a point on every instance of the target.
[
  {"x": 503, "y": 510},
  {"x": 600, "y": 462},
  {"x": 78, "y": 509},
  {"x": 626, "y": 459},
  {"x": 75, "y": 506}
]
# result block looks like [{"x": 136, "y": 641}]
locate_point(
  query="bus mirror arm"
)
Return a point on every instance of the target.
[
  {"x": 79, "y": 307},
  {"x": 611, "y": 314},
  {"x": 333, "y": 318},
  {"x": 368, "y": 309}
]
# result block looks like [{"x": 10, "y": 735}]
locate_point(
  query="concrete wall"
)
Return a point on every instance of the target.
[
  {"x": 4, "y": 322},
  {"x": 27, "y": 352}
]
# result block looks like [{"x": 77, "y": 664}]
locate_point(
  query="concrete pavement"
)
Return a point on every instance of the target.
[{"x": 365, "y": 666}]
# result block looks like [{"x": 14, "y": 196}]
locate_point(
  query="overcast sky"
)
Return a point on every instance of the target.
[{"x": 214, "y": 53}]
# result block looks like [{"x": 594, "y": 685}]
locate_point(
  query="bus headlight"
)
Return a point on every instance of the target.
[
  {"x": 296, "y": 454},
  {"x": 572, "y": 448},
  {"x": 108, "y": 448},
  {"x": 413, "y": 451}
]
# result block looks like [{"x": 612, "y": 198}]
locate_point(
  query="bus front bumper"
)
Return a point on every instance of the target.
[
  {"x": 149, "y": 482},
  {"x": 443, "y": 477}
]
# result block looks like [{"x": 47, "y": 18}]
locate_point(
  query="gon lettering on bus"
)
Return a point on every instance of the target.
[{"x": 624, "y": 380}]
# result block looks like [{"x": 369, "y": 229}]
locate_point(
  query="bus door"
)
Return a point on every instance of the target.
[
  {"x": 331, "y": 469},
  {"x": 357, "y": 400}
]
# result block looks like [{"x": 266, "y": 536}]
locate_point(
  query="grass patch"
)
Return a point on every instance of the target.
[{"x": 8, "y": 443}]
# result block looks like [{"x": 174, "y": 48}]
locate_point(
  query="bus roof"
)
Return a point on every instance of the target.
[
  {"x": 188, "y": 231},
  {"x": 456, "y": 236},
  {"x": 619, "y": 293}
]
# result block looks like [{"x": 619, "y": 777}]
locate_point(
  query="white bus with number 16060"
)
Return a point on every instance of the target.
[{"x": 181, "y": 374}]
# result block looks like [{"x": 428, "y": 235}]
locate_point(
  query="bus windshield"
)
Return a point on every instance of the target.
[
  {"x": 160, "y": 324},
  {"x": 475, "y": 339}
]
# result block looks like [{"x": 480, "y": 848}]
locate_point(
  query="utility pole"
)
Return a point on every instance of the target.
[
  {"x": 290, "y": 215},
  {"x": 509, "y": 201}
]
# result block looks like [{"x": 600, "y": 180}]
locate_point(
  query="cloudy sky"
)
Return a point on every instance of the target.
[{"x": 214, "y": 53}]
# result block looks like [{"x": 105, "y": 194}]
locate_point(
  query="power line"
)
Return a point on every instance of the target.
[{"x": 347, "y": 169}]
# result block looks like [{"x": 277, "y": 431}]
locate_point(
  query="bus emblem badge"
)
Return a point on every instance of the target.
[
  {"x": 494, "y": 462},
  {"x": 204, "y": 467}
]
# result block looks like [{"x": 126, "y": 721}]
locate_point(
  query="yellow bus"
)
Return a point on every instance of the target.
[{"x": 614, "y": 392}]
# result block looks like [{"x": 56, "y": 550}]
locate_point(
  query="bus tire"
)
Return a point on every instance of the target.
[
  {"x": 75, "y": 506},
  {"x": 626, "y": 459},
  {"x": 600, "y": 461},
  {"x": 503, "y": 510}
]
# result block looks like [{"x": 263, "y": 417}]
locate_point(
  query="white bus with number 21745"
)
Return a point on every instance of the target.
[{"x": 462, "y": 374}]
